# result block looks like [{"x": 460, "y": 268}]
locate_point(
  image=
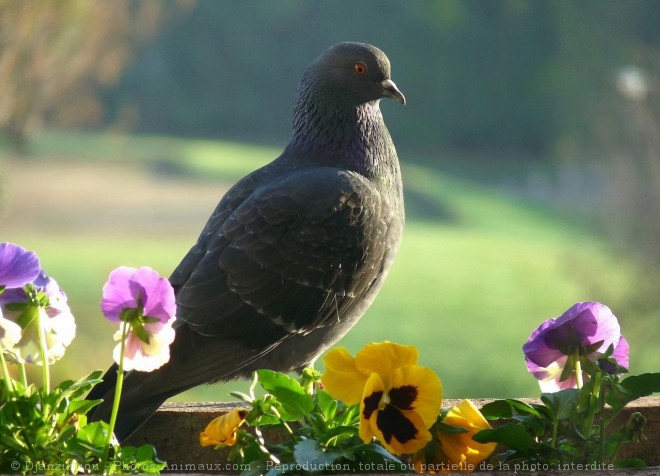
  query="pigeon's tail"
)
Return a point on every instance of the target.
[
  {"x": 133, "y": 412},
  {"x": 142, "y": 394}
]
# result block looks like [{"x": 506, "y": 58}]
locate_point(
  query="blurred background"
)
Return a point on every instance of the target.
[{"x": 530, "y": 148}]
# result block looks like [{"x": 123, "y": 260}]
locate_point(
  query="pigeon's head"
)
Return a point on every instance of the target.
[{"x": 356, "y": 72}]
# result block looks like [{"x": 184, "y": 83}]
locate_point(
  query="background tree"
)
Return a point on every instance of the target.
[{"x": 56, "y": 56}]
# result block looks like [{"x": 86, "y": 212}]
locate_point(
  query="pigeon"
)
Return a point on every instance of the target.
[{"x": 295, "y": 252}]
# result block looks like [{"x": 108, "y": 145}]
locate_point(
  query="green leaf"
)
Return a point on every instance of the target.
[
  {"x": 129, "y": 314},
  {"x": 562, "y": 403},
  {"x": 641, "y": 385},
  {"x": 262, "y": 411},
  {"x": 241, "y": 396},
  {"x": 569, "y": 368},
  {"x": 590, "y": 349},
  {"x": 318, "y": 422},
  {"x": 630, "y": 463},
  {"x": 511, "y": 436},
  {"x": 81, "y": 386},
  {"x": 535, "y": 425},
  {"x": 341, "y": 431},
  {"x": 373, "y": 453},
  {"x": 326, "y": 404},
  {"x": 506, "y": 409},
  {"x": 449, "y": 429},
  {"x": 148, "y": 460},
  {"x": 140, "y": 331},
  {"x": 308, "y": 453},
  {"x": 94, "y": 434},
  {"x": 28, "y": 313},
  {"x": 290, "y": 394},
  {"x": 82, "y": 406},
  {"x": 588, "y": 403},
  {"x": 127, "y": 453}
]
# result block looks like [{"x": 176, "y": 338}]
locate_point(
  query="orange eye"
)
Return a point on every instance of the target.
[{"x": 360, "y": 68}]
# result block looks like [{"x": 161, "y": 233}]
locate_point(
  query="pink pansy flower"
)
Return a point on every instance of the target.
[{"x": 145, "y": 301}]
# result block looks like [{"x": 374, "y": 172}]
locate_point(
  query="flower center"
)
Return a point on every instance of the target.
[
  {"x": 403, "y": 397},
  {"x": 384, "y": 401}
]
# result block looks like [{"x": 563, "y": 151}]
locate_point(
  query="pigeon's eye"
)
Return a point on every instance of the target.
[{"x": 360, "y": 68}]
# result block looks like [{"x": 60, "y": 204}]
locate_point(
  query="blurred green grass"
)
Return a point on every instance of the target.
[{"x": 478, "y": 270}]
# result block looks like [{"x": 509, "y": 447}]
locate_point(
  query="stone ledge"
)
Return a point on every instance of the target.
[{"x": 174, "y": 431}]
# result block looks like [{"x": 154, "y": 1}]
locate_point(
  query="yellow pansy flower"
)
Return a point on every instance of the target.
[
  {"x": 458, "y": 452},
  {"x": 399, "y": 400},
  {"x": 222, "y": 430}
]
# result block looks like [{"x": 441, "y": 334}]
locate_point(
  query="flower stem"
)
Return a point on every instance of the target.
[
  {"x": 602, "y": 423},
  {"x": 578, "y": 371},
  {"x": 601, "y": 442},
  {"x": 614, "y": 453},
  {"x": 288, "y": 428},
  {"x": 593, "y": 407},
  {"x": 5, "y": 374},
  {"x": 115, "y": 404},
  {"x": 23, "y": 374},
  {"x": 43, "y": 347}
]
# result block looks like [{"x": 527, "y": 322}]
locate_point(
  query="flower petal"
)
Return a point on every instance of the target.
[
  {"x": 127, "y": 288},
  {"x": 373, "y": 393},
  {"x": 139, "y": 355},
  {"x": 117, "y": 294},
  {"x": 10, "y": 334},
  {"x": 549, "y": 377},
  {"x": 221, "y": 431},
  {"x": 586, "y": 323},
  {"x": 428, "y": 391},
  {"x": 383, "y": 357},
  {"x": 467, "y": 416},
  {"x": 342, "y": 379},
  {"x": 622, "y": 352},
  {"x": 158, "y": 294},
  {"x": 17, "y": 266},
  {"x": 59, "y": 328},
  {"x": 538, "y": 353},
  {"x": 460, "y": 447},
  {"x": 400, "y": 431}
]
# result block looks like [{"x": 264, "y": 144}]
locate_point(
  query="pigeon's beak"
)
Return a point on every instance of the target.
[{"x": 391, "y": 91}]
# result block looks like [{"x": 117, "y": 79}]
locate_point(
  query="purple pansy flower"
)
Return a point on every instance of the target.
[
  {"x": 585, "y": 331},
  {"x": 17, "y": 266},
  {"x": 144, "y": 300},
  {"x": 54, "y": 315},
  {"x": 126, "y": 286}
]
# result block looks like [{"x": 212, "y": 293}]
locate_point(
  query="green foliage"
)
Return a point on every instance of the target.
[
  {"x": 44, "y": 431},
  {"x": 48, "y": 432},
  {"x": 321, "y": 433},
  {"x": 571, "y": 426}
]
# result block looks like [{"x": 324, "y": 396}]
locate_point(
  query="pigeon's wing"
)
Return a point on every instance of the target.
[
  {"x": 294, "y": 255},
  {"x": 234, "y": 197}
]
